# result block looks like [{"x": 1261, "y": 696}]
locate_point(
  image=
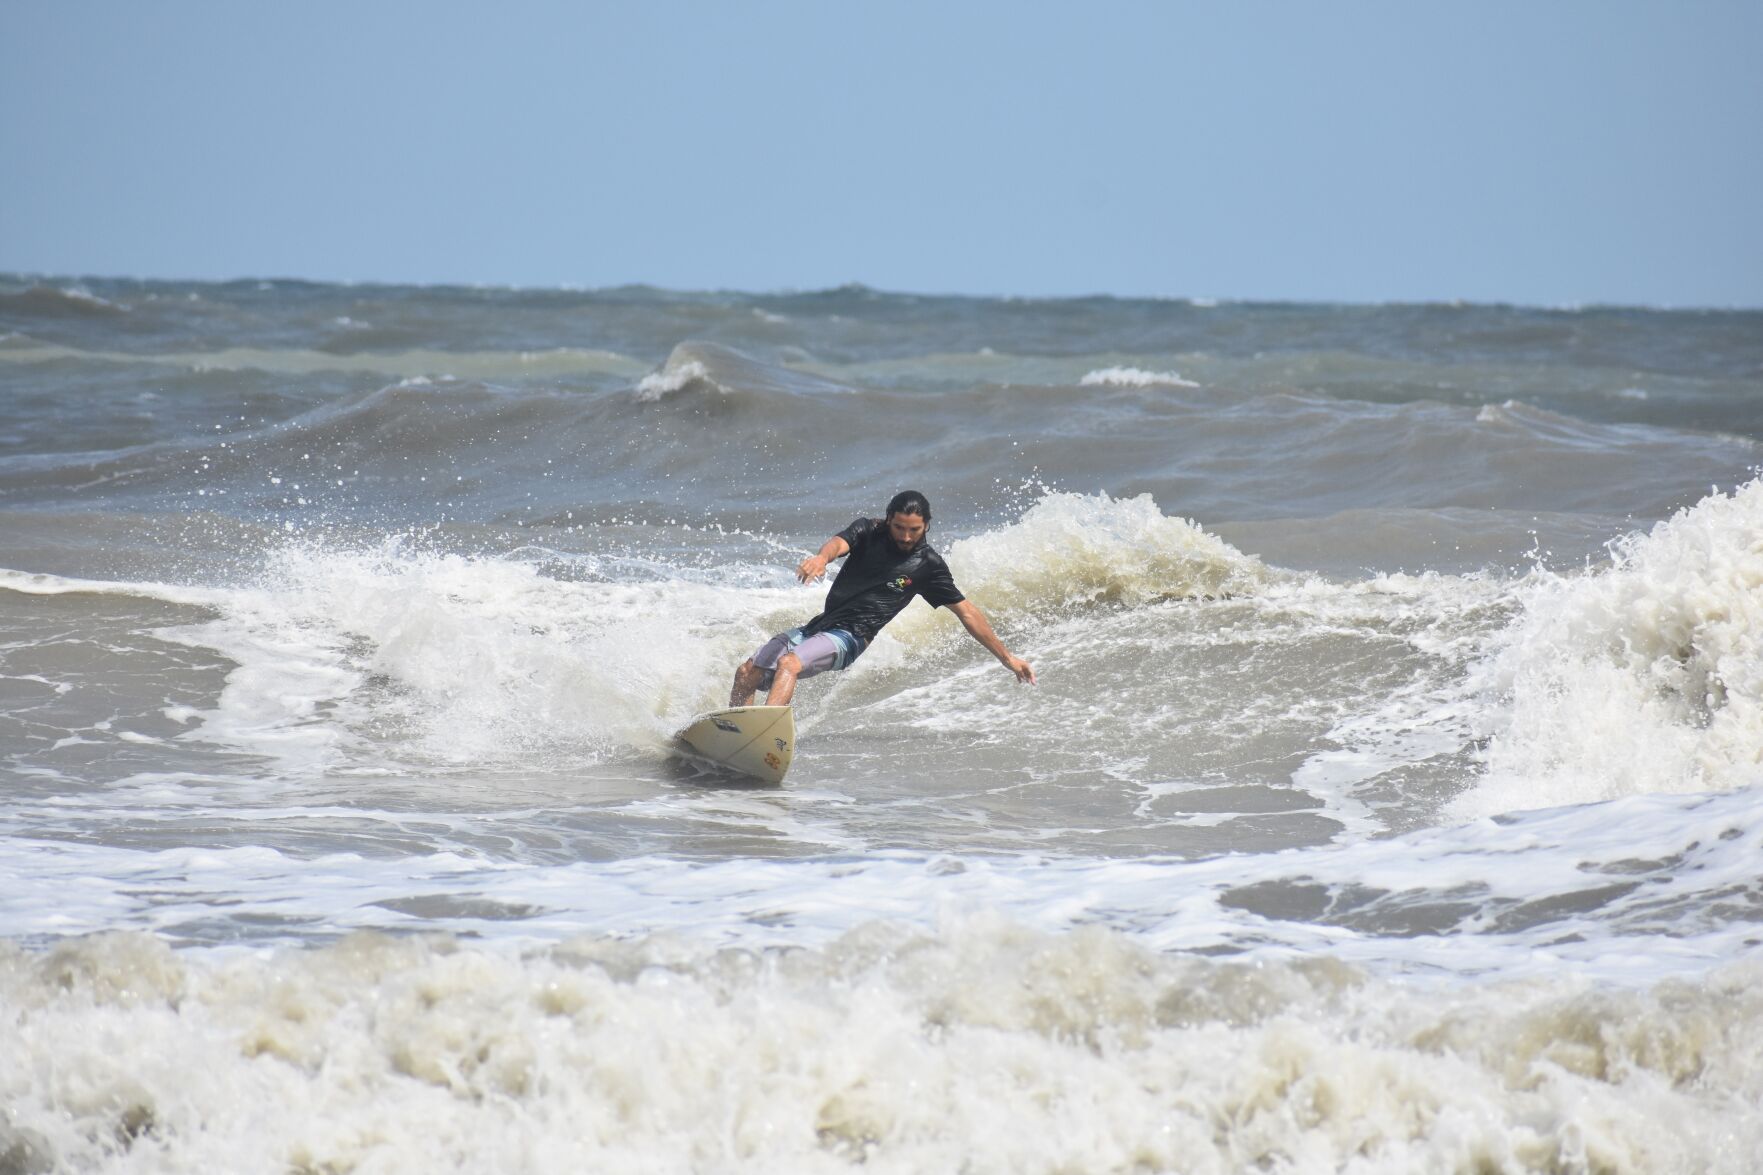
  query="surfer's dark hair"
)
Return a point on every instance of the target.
[{"x": 910, "y": 502}]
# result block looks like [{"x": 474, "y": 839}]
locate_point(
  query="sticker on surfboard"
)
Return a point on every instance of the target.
[{"x": 753, "y": 740}]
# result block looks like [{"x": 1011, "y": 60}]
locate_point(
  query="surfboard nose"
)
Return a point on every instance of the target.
[{"x": 754, "y": 740}]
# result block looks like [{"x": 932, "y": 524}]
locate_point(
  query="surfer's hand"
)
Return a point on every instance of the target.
[
  {"x": 1023, "y": 670},
  {"x": 812, "y": 568}
]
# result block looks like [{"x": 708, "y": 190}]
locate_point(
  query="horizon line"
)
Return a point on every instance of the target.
[{"x": 41, "y": 277}]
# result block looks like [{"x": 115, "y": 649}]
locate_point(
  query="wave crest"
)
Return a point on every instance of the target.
[
  {"x": 1074, "y": 550},
  {"x": 60, "y": 302},
  {"x": 711, "y": 368},
  {"x": 1644, "y": 677},
  {"x": 1135, "y": 377}
]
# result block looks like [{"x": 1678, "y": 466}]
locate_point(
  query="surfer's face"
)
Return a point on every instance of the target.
[{"x": 907, "y": 530}]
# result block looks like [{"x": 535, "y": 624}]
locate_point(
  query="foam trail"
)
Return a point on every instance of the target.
[
  {"x": 393, "y": 655},
  {"x": 483, "y": 658}
]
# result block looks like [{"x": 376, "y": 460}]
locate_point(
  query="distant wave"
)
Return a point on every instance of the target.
[
  {"x": 1134, "y": 377},
  {"x": 696, "y": 366},
  {"x": 294, "y": 361},
  {"x": 675, "y": 377},
  {"x": 32, "y": 583},
  {"x": 60, "y": 302}
]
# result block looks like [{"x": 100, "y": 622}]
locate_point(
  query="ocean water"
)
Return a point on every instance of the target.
[{"x": 1391, "y": 800}]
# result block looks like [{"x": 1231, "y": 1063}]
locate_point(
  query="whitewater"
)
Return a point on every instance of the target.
[{"x": 1391, "y": 801}]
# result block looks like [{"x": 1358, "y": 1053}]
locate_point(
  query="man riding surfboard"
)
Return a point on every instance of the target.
[{"x": 889, "y": 563}]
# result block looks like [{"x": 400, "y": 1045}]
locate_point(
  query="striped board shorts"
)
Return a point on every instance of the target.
[{"x": 833, "y": 649}]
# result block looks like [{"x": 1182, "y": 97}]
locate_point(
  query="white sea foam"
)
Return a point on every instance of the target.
[
  {"x": 457, "y": 659},
  {"x": 670, "y": 379},
  {"x": 1135, "y": 377},
  {"x": 1074, "y": 549},
  {"x": 1645, "y": 676},
  {"x": 982, "y": 1046},
  {"x": 479, "y": 658},
  {"x": 706, "y": 366},
  {"x": 1633, "y": 891},
  {"x": 345, "y": 656},
  {"x": 81, "y": 296},
  {"x": 393, "y": 656},
  {"x": 34, "y": 583}
]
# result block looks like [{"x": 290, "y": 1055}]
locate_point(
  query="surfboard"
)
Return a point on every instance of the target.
[{"x": 754, "y": 740}]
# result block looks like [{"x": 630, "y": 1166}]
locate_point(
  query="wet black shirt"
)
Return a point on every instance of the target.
[{"x": 877, "y": 581}]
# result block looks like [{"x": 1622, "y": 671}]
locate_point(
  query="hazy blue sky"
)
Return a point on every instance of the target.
[{"x": 1542, "y": 151}]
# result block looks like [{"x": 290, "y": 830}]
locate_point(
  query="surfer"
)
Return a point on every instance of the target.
[{"x": 890, "y": 562}]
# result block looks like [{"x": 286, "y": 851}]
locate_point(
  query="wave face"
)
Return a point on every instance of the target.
[{"x": 1390, "y": 799}]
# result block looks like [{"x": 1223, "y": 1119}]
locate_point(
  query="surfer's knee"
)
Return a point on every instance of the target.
[
  {"x": 790, "y": 663},
  {"x": 746, "y": 679},
  {"x": 751, "y": 677}
]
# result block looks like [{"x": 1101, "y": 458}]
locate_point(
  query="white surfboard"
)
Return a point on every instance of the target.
[{"x": 754, "y": 740}]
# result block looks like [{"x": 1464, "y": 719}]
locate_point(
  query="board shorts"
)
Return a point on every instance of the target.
[{"x": 833, "y": 649}]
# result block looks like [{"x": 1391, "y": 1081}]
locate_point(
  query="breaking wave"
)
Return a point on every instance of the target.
[
  {"x": 711, "y": 368},
  {"x": 1646, "y": 676},
  {"x": 1134, "y": 377}
]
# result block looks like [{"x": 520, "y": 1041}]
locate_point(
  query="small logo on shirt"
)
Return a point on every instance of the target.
[{"x": 901, "y": 583}]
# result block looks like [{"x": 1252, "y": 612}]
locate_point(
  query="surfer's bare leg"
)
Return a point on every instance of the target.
[
  {"x": 783, "y": 686},
  {"x": 747, "y": 679}
]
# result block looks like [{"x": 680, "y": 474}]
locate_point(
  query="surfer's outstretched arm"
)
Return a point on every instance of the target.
[
  {"x": 975, "y": 622},
  {"x": 814, "y": 566}
]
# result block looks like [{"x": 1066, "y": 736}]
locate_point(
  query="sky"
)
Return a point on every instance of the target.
[{"x": 1543, "y": 152}]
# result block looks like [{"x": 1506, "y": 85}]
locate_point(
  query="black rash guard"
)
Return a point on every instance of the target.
[{"x": 877, "y": 581}]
